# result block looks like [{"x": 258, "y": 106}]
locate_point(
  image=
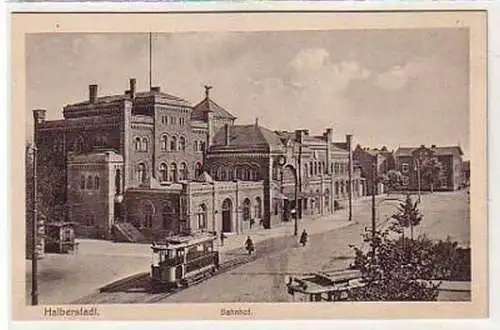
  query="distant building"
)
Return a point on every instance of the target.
[
  {"x": 451, "y": 176},
  {"x": 365, "y": 158},
  {"x": 142, "y": 165}
]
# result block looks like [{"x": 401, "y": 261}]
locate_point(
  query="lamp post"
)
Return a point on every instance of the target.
[
  {"x": 34, "y": 232},
  {"x": 373, "y": 209},
  {"x": 417, "y": 168}
]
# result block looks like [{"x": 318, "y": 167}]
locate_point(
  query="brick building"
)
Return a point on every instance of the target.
[
  {"x": 149, "y": 164},
  {"x": 451, "y": 176},
  {"x": 365, "y": 158}
]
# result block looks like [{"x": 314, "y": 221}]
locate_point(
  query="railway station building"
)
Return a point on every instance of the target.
[{"x": 141, "y": 165}]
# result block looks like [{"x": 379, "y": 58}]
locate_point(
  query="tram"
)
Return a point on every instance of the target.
[
  {"x": 183, "y": 260},
  {"x": 324, "y": 286}
]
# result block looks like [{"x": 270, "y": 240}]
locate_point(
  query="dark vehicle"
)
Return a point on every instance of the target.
[{"x": 183, "y": 260}]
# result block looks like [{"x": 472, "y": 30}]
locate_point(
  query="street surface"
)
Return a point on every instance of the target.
[
  {"x": 445, "y": 214},
  {"x": 65, "y": 278}
]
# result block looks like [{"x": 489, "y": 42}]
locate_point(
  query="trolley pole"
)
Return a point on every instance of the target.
[
  {"x": 373, "y": 210},
  {"x": 295, "y": 214},
  {"x": 34, "y": 229}
]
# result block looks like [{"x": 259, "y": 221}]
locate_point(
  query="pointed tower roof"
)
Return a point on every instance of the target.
[{"x": 207, "y": 105}]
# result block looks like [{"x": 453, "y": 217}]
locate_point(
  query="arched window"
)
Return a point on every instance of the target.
[
  {"x": 223, "y": 175},
  {"x": 145, "y": 145},
  {"x": 239, "y": 173},
  {"x": 229, "y": 174},
  {"x": 336, "y": 188},
  {"x": 173, "y": 144},
  {"x": 323, "y": 166},
  {"x": 246, "y": 209},
  {"x": 202, "y": 217},
  {"x": 118, "y": 181},
  {"x": 306, "y": 170},
  {"x": 331, "y": 168},
  {"x": 173, "y": 172},
  {"x": 195, "y": 146},
  {"x": 82, "y": 182},
  {"x": 141, "y": 173},
  {"x": 89, "y": 182},
  {"x": 96, "y": 182},
  {"x": 163, "y": 172},
  {"x": 137, "y": 144},
  {"x": 164, "y": 142},
  {"x": 202, "y": 146},
  {"x": 182, "y": 143},
  {"x": 197, "y": 170},
  {"x": 327, "y": 199},
  {"x": 258, "y": 208},
  {"x": 183, "y": 172}
]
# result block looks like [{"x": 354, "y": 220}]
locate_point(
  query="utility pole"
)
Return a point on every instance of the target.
[
  {"x": 34, "y": 230},
  {"x": 295, "y": 214},
  {"x": 373, "y": 210},
  {"x": 417, "y": 165}
]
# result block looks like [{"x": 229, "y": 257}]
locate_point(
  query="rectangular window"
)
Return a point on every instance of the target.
[{"x": 405, "y": 167}]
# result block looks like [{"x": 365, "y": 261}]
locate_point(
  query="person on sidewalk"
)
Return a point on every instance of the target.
[
  {"x": 222, "y": 237},
  {"x": 303, "y": 238},
  {"x": 249, "y": 245}
]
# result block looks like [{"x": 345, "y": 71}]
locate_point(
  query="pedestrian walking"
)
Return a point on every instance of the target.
[
  {"x": 222, "y": 238},
  {"x": 249, "y": 245},
  {"x": 303, "y": 238}
]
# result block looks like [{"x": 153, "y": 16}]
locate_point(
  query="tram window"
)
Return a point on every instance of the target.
[
  {"x": 199, "y": 248},
  {"x": 156, "y": 259}
]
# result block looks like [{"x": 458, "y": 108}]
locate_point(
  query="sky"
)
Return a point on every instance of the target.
[{"x": 403, "y": 87}]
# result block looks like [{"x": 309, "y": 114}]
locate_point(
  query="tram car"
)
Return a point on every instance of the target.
[
  {"x": 324, "y": 286},
  {"x": 183, "y": 260}
]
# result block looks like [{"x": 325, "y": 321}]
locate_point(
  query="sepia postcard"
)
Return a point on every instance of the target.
[{"x": 249, "y": 165}]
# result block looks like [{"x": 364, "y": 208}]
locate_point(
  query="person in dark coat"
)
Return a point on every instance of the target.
[
  {"x": 303, "y": 238},
  {"x": 249, "y": 245},
  {"x": 222, "y": 238}
]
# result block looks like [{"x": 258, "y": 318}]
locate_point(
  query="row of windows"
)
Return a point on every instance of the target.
[
  {"x": 168, "y": 143},
  {"x": 172, "y": 120},
  {"x": 317, "y": 168},
  {"x": 245, "y": 173},
  {"x": 168, "y": 172},
  {"x": 202, "y": 214},
  {"x": 89, "y": 182}
]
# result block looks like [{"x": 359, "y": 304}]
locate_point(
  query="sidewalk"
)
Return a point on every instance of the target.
[{"x": 312, "y": 225}]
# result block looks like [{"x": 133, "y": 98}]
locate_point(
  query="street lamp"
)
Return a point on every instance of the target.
[
  {"x": 295, "y": 226},
  {"x": 417, "y": 168},
  {"x": 34, "y": 232}
]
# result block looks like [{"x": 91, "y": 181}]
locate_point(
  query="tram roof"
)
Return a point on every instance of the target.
[{"x": 178, "y": 241}]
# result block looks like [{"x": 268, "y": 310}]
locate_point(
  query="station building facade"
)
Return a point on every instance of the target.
[{"x": 148, "y": 164}]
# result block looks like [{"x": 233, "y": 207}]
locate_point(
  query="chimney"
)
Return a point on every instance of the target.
[
  {"x": 348, "y": 139},
  {"x": 132, "y": 88},
  {"x": 39, "y": 116},
  {"x": 306, "y": 132},
  {"x": 433, "y": 146},
  {"x": 329, "y": 135},
  {"x": 227, "y": 134},
  {"x": 92, "y": 93},
  {"x": 299, "y": 135}
]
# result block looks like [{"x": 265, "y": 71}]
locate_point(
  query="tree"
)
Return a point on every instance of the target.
[
  {"x": 431, "y": 169},
  {"x": 408, "y": 215},
  {"x": 390, "y": 275},
  {"x": 392, "y": 179}
]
